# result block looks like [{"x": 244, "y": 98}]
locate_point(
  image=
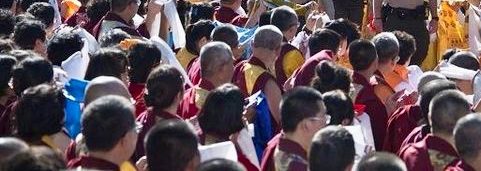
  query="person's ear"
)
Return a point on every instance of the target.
[{"x": 346, "y": 122}]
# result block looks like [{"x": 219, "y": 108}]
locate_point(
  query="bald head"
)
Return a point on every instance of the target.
[
  {"x": 429, "y": 76},
  {"x": 267, "y": 37},
  {"x": 10, "y": 146},
  {"x": 445, "y": 109},
  {"x": 465, "y": 59},
  {"x": 284, "y": 18},
  {"x": 467, "y": 135},
  {"x": 387, "y": 46},
  {"x": 381, "y": 161},
  {"x": 213, "y": 57},
  {"x": 430, "y": 90},
  {"x": 227, "y": 34},
  {"x": 105, "y": 85}
]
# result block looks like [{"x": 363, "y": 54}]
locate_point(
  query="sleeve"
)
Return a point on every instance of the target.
[{"x": 292, "y": 60}]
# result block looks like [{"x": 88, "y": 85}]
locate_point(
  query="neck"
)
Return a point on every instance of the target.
[
  {"x": 215, "y": 82},
  {"x": 366, "y": 74},
  {"x": 172, "y": 108},
  {"x": 124, "y": 16},
  {"x": 446, "y": 137},
  {"x": 299, "y": 139},
  {"x": 109, "y": 156},
  {"x": 212, "y": 139},
  {"x": 385, "y": 68},
  {"x": 474, "y": 163},
  {"x": 264, "y": 56},
  {"x": 285, "y": 34}
]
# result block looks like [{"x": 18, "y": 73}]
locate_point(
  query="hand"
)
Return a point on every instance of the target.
[
  {"x": 377, "y": 22},
  {"x": 250, "y": 112},
  {"x": 312, "y": 19},
  {"x": 154, "y": 8},
  {"x": 392, "y": 103},
  {"x": 433, "y": 26},
  {"x": 141, "y": 164}
]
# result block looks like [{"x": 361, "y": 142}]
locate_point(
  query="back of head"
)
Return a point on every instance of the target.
[
  {"x": 170, "y": 146},
  {"x": 221, "y": 165},
  {"x": 214, "y": 56},
  {"x": 25, "y": 4},
  {"x": 428, "y": 77},
  {"x": 105, "y": 121},
  {"x": 31, "y": 72},
  {"x": 221, "y": 114},
  {"x": 347, "y": 29},
  {"x": 120, "y": 5},
  {"x": 143, "y": 57},
  {"x": 267, "y": 37},
  {"x": 39, "y": 112},
  {"x": 339, "y": 106},
  {"x": 113, "y": 37},
  {"x": 407, "y": 46},
  {"x": 332, "y": 149},
  {"x": 284, "y": 18},
  {"x": 10, "y": 146},
  {"x": 36, "y": 159},
  {"x": 387, "y": 46},
  {"x": 227, "y": 34},
  {"x": 163, "y": 85},
  {"x": 465, "y": 59},
  {"x": 6, "y": 70},
  {"x": 97, "y": 9},
  {"x": 324, "y": 39},
  {"x": 7, "y": 22},
  {"x": 445, "y": 109},
  {"x": 195, "y": 32},
  {"x": 298, "y": 104},
  {"x": 330, "y": 76},
  {"x": 265, "y": 18},
  {"x": 63, "y": 45},
  {"x": 43, "y": 12},
  {"x": 467, "y": 135},
  {"x": 203, "y": 11},
  {"x": 430, "y": 90},
  {"x": 381, "y": 161},
  {"x": 449, "y": 53},
  {"x": 107, "y": 62},
  {"x": 103, "y": 86},
  {"x": 362, "y": 53},
  {"x": 27, "y": 32}
]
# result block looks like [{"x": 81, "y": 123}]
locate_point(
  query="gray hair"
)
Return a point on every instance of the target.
[
  {"x": 387, "y": 46},
  {"x": 214, "y": 55},
  {"x": 268, "y": 36}
]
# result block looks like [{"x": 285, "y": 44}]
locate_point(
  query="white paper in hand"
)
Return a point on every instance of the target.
[
  {"x": 223, "y": 150},
  {"x": 361, "y": 146}
]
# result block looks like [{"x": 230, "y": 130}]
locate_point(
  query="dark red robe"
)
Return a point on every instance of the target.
[
  {"x": 291, "y": 56},
  {"x": 460, "y": 165},
  {"x": 432, "y": 153},
  {"x": 194, "y": 99},
  {"x": 267, "y": 163},
  {"x": 416, "y": 135},
  {"x": 399, "y": 125},
  {"x": 110, "y": 16},
  {"x": 304, "y": 75},
  {"x": 7, "y": 120},
  {"x": 88, "y": 162},
  {"x": 228, "y": 15},
  {"x": 193, "y": 71},
  {"x": 136, "y": 89},
  {"x": 290, "y": 156},
  {"x": 81, "y": 19},
  {"x": 374, "y": 107}
]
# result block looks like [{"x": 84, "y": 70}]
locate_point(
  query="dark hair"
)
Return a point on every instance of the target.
[
  {"x": 265, "y": 18},
  {"x": 20, "y": 55},
  {"x": 27, "y": 32},
  {"x": 22, "y": 17},
  {"x": 221, "y": 114},
  {"x": 25, "y": 4},
  {"x": 332, "y": 149},
  {"x": 39, "y": 158},
  {"x": 143, "y": 56},
  {"x": 324, "y": 39},
  {"x": 431, "y": 89},
  {"x": 347, "y": 29},
  {"x": 465, "y": 59},
  {"x": 203, "y": 11},
  {"x": 119, "y": 5},
  {"x": 39, "y": 112},
  {"x": 174, "y": 139},
  {"x": 339, "y": 106},
  {"x": 43, "y": 12},
  {"x": 381, "y": 161},
  {"x": 227, "y": 34},
  {"x": 113, "y": 37},
  {"x": 97, "y": 9},
  {"x": 449, "y": 53},
  {"x": 195, "y": 32},
  {"x": 467, "y": 135},
  {"x": 298, "y": 104},
  {"x": 284, "y": 18},
  {"x": 7, "y": 22},
  {"x": 221, "y": 165},
  {"x": 63, "y": 45},
  {"x": 6, "y": 70},
  {"x": 6, "y": 4},
  {"x": 407, "y": 46},
  {"x": 387, "y": 46},
  {"x": 362, "y": 54},
  {"x": 6, "y": 45},
  {"x": 330, "y": 76},
  {"x": 31, "y": 72},
  {"x": 164, "y": 83},
  {"x": 107, "y": 62},
  {"x": 105, "y": 121},
  {"x": 445, "y": 109}
]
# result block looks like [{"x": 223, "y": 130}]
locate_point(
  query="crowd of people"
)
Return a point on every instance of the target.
[{"x": 236, "y": 85}]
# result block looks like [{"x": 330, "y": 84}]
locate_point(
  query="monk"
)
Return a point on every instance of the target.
[
  {"x": 216, "y": 69},
  {"x": 334, "y": 144},
  {"x": 10, "y": 146},
  {"x": 254, "y": 75},
  {"x": 290, "y": 58},
  {"x": 108, "y": 125},
  {"x": 387, "y": 48},
  {"x": 381, "y": 161},
  {"x": 363, "y": 58},
  {"x": 436, "y": 151},
  {"x": 467, "y": 134},
  {"x": 230, "y": 11}
]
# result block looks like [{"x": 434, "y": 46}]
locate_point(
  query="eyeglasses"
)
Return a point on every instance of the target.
[{"x": 326, "y": 117}]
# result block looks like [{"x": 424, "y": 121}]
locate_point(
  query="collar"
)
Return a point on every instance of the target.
[
  {"x": 206, "y": 84},
  {"x": 324, "y": 54},
  {"x": 439, "y": 144},
  {"x": 360, "y": 79},
  {"x": 256, "y": 61},
  {"x": 292, "y": 147},
  {"x": 164, "y": 115},
  {"x": 90, "y": 162},
  {"x": 114, "y": 17}
]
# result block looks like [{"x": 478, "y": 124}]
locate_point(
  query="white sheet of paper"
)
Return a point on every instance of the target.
[{"x": 224, "y": 150}]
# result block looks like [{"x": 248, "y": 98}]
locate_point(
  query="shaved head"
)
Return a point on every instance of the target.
[
  {"x": 465, "y": 59},
  {"x": 105, "y": 85},
  {"x": 445, "y": 109},
  {"x": 284, "y": 17},
  {"x": 429, "y": 76},
  {"x": 381, "y": 161},
  {"x": 268, "y": 37},
  {"x": 213, "y": 56},
  {"x": 10, "y": 146},
  {"x": 467, "y": 135}
]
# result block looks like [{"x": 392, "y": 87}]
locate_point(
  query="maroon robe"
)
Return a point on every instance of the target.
[
  {"x": 304, "y": 75},
  {"x": 110, "y": 16},
  {"x": 241, "y": 158},
  {"x": 267, "y": 163},
  {"x": 136, "y": 89},
  {"x": 432, "y": 153},
  {"x": 290, "y": 156},
  {"x": 228, "y": 15},
  {"x": 286, "y": 49},
  {"x": 81, "y": 19},
  {"x": 399, "y": 125},
  {"x": 374, "y": 108},
  {"x": 7, "y": 120},
  {"x": 460, "y": 165},
  {"x": 189, "y": 105},
  {"x": 147, "y": 119},
  {"x": 88, "y": 162},
  {"x": 193, "y": 71},
  {"x": 416, "y": 135}
]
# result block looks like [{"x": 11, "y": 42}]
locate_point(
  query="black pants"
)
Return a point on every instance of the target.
[
  {"x": 352, "y": 10},
  {"x": 414, "y": 26}
]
